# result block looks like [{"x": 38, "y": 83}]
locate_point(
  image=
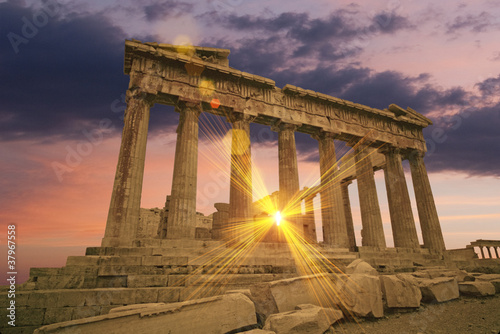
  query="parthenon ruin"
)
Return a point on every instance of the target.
[{"x": 177, "y": 75}]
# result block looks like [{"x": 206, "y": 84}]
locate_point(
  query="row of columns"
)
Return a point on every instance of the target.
[
  {"x": 336, "y": 216},
  {"x": 488, "y": 249}
]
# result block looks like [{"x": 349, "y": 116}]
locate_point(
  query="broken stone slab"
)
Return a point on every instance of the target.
[
  {"x": 488, "y": 277},
  {"x": 439, "y": 289},
  {"x": 476, "y": 289},
  {"x": 218, "y": 314},
  {"x": 360, "y": 267},
  {"x": 312, "y": 289},
  {"x": 135, "y": 307},
  {"x": 259, "y": 331},
  {"x": 400, "y": 291},
  {"x": 361, "y": 294},
  {"x": 307, "y": 319},
  {"x": 496, "y": 284},
  {"x": 460, "y": 275}
]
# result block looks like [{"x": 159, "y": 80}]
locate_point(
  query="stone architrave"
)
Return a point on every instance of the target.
[
  {"x": 240, "y": 191},
  {"x": 403, "y": 225},
  {"x": 181, "y": 222},
  {"x": 373, "y": 232},
  {"x": 427, "y": 213},
  {"x": 332, "y": 208},
  {"x": 124, "y": 210}
]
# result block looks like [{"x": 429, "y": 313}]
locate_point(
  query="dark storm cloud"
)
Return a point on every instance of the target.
[
  {"x": 475, "y": 23},
  {"x": 162, "y": 10},
  {"x": 390, "y": 22},
  {"x": 468, "y": 142},
  {"x": 65, "y": 77}
]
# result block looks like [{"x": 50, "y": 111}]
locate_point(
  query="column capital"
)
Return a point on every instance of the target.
[
  {"x": 413, "y": 154},
  {"x": 135, "y": 93},
  {"x": 236, "y": 116},
  {"x": 322, "y": 134},
  {"x": 285, "y": 125},
  {"x": 182, "y": 105},
  {"x": 390, "y": 149}
]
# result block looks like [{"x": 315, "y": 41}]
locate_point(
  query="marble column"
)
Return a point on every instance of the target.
[
  {"x": 372, "y": 233},
  {"x": 240, "y": 191},
  {"x": 124, "y": 209},
  {"x": 427, "y": 213},
  {"x": 482, "y": 252},
  {"x": 403, "y": 225},
  {"x": 488, "y": 248},
  {"x": 289, "y": 200},
  {"x": 309, "y": 218},
  {"x": 332, "y": 208},
  {"x": 181, "y": 222},
  {"x": 344, "y": 186},
  {"x": 496, "y": 252}
]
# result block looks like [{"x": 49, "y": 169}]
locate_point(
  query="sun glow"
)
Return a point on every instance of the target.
[{"x": 277, "y": 217}]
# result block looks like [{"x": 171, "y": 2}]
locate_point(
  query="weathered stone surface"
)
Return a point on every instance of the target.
[
  {"x": 135, "y": 307},
  {"x": 439, "y": 289},
  {"x": 477, "y": 289},
  {"x": 308, "y": 319},
  {"x": 219, "y": 314},
  {"x": 362, "y": 295},
  {"x": 496, "y": 284},
  {"x": 488, "y": 277},
  {"x": 400, "y": 292},
  {"x": 360, "y": 267},
  {"x": 289, "y": 293},
  {"x": 259, "y": 331}
]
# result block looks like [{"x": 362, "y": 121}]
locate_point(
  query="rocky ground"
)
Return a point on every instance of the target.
[{"x": 464, "y": 315}]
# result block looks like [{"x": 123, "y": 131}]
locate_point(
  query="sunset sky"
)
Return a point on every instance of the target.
[{"x": 62, "y": 81}]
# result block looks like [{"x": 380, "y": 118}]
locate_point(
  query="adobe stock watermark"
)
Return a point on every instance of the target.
[
  {"x": 30, "y": 26},
  {"x": 76, "y": 153}
]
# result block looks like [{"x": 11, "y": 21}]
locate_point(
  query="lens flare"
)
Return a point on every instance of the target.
[{"x": 277, "y": 217}]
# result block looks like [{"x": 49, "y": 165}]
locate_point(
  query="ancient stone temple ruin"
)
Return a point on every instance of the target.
[
  {"x": 169, "y": 75},
  {"x": 168, "y": 255}
]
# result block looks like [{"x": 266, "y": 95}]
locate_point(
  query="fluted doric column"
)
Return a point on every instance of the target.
[
  {"x": 240, "y": 191},
  {"x": 372, "y": 233},
  {"x": 427, "y": 213},
  {"x": 332, "y": 210},
  {"x": 344, "y": 186},
  {"x": 181, "y": 223},
  {"x": 124, "y": 209},
  {"x": 403, "y": 225},
  {"x": 309, "y": 218},
  {"x": 289, "y": 201}
]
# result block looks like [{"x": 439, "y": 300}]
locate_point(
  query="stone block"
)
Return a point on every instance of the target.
[
  {"x": 496, "y": 284},
  {"x": 476, "y": 289},
  {"x": 361, "y": 295},
  {"x": 311, "y": 319},
  {"x": 400, "y": 292},
  {"x": 439, "y": 289},
  {"x": 221, "y": 314},
  {"x": 152, "y": 260},
  {"x": 29, "y": 316},
  {"x": 72, "y": 298},
  {"x": 85, "y": 312},
  {"x": 360, "y": 267},
  {"x": 57, "y": 314},
  {"x": 169, "y": 295},
  {"x": 488, "y": 277},
  {"x": 177, "y": 280},
  {"x": 288, "y": 293},
  {"x": 111, "y": 281},
  {"x": 142, "y": 281},
  {"x": 146, "y": 295},
  {"x": 41, "y": 299},
  {"x": 259, "y": 331}
]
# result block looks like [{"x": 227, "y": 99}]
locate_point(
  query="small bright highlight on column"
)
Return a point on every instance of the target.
[{"x": 277, "y": 216}]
